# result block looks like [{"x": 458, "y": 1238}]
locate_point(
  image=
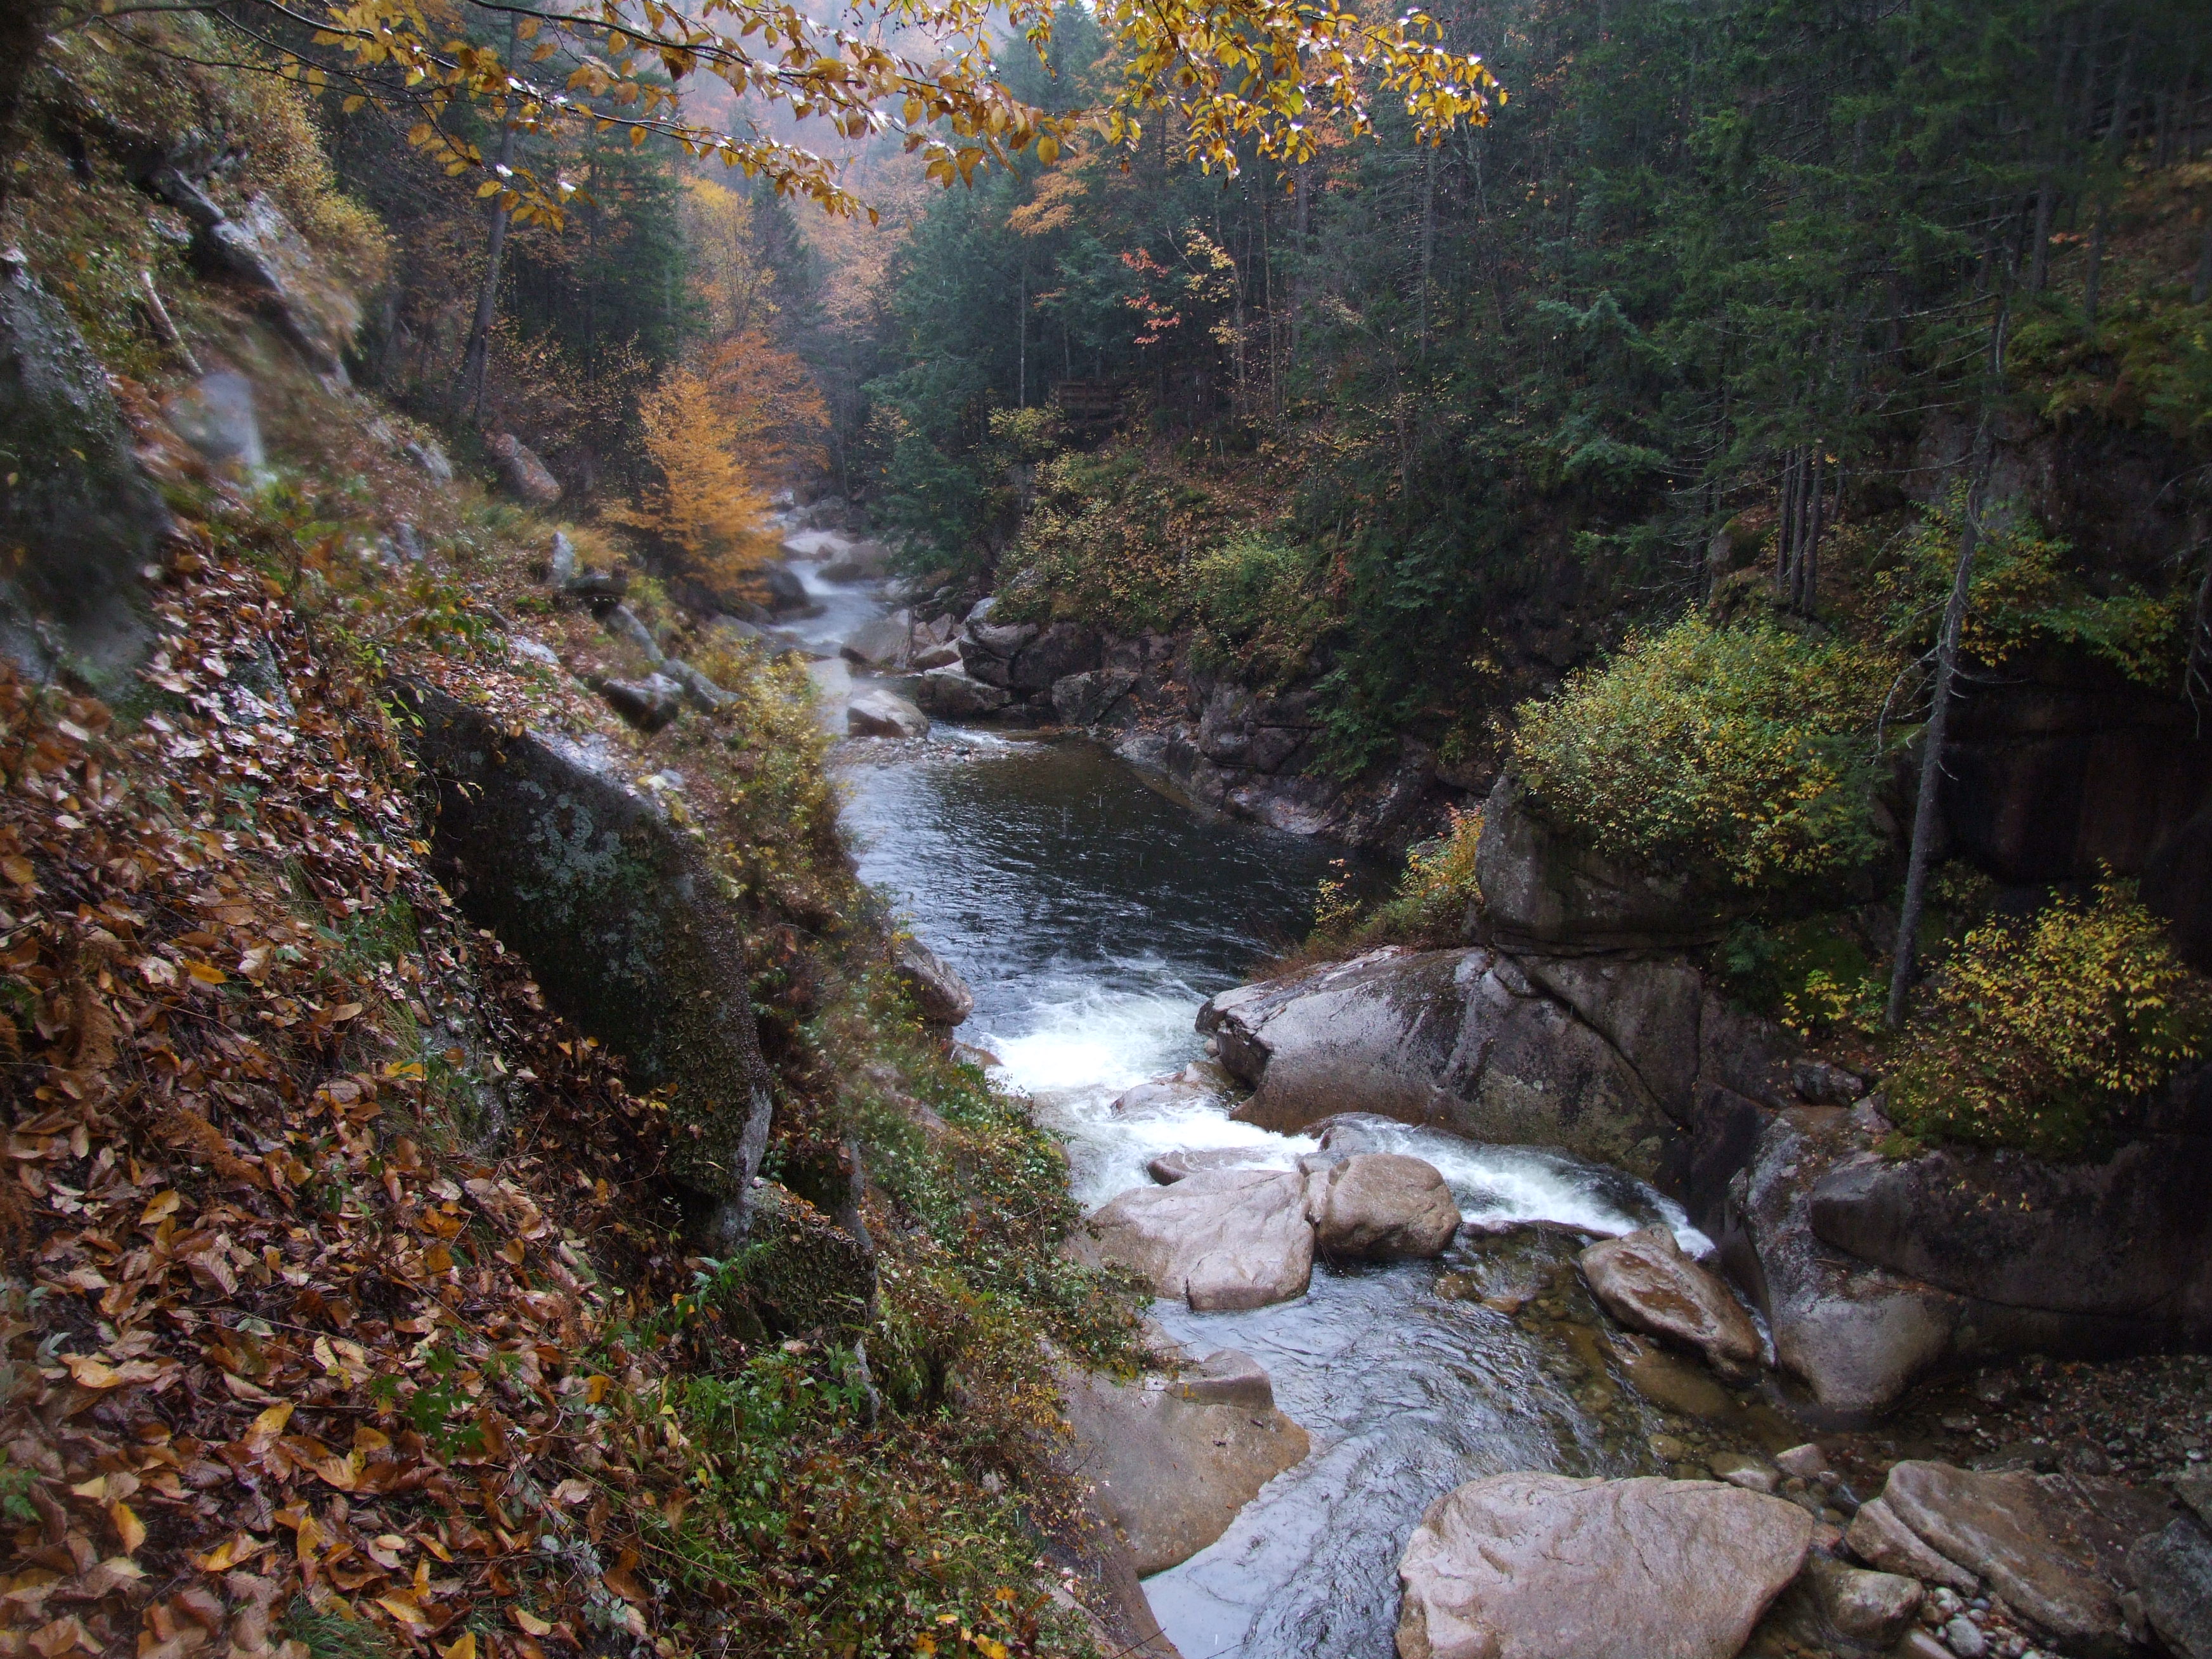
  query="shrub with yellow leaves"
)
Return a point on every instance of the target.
[
  {"x": 2043, "y": 1034},
  {"x": 1751, "y": 748}
]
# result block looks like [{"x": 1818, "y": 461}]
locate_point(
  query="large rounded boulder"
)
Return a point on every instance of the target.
[
  {"x": 1546, "y": 1566},
  {"x": 1219, "y": 1239},
  {"x": 1380, "y": 1207}
]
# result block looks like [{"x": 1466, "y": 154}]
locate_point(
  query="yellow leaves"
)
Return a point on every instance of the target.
[
  {"x": 462, "y": 1647},
  {"x": 528, "y": 1622},
  {"x": 234, "y": 1551},
  {"x": 206, "y": 972},
  {"x": 130, "y": 1530},
  {"x": 2034, "y": 1034}
]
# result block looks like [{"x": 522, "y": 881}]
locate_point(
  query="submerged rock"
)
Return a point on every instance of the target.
[
  {"x": 1545, "y": 1566},
  {"x": 1163, "y": 1096},
  {"x": 1381, "y": 1206},
  {"x": 1646, "y": 1282},
  {"x": 940, "y": 995},
  {"x": 621, "y": 920},
  {"x": 1170, "y": 1167},
  {"x": 880, "y": 714},
  {"x": 1174, "y": 1459},
  {"x": 1219, "y": 1239}
]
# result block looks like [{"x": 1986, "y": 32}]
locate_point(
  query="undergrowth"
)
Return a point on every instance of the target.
[
  {"x": 1750, "y": 751},
  {"x": 2048, "y": 1033}
]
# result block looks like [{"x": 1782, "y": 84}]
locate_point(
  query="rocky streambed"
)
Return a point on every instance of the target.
[{"x": 1367, "y": 1432}]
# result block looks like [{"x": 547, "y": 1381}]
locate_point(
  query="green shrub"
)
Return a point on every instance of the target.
[
  {"x": 2042, "y": 1034},
  {"x": 1816, "y": 976},
  {"x": 2026, "y": 590},
  {"x": 1748, "y": 749},
  {"x": 1258, "y": 605}
]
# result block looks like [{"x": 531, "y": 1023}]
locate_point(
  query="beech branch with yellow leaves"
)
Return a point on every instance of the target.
[{"x": 1264, "y": 77}]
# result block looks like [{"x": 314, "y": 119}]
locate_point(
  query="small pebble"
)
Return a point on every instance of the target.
[{"x": 1964, "y": 1639}]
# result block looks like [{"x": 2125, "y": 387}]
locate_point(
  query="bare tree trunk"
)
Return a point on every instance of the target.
[
  {"x": 1939, "y": 711},
  {"x": 2201, "y": 289},
  {"x": 2039, "y": 264},
  {"x": 2095, "y": 279},
  {"x": 1428, "y": 242},
  {"x": 475, "y": 360},
  {"x": 1786, "y": 527},
  {"x": 1808, "y": 555}
]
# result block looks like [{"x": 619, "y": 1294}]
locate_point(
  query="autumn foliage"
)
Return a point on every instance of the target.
[{"x": 716, "y": 434}]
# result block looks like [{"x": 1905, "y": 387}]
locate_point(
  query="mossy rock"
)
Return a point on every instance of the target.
[
  {"x": 78, "y": 519},
  {"x": 803, "y": 1272},
  {"x": 621, "y": 919}
]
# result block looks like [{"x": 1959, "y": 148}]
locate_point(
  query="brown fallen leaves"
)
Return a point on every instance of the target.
[{"x": 284, "y": 1356}]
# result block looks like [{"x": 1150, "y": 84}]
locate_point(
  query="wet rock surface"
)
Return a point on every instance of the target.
[
  {"x": 1380, "y": 1207},
  {"x": 1649, "y": 1283},
  {"x": 1219, "y": 1239},
  {"x": 1174, "y": 1459},
  {"x": 1540, "y": 1566},
  {"x": 1459, "y": 1039},
  {"x": 880, "y": 714}
]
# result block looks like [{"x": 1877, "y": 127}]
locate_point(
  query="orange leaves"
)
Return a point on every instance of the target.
[{"x": 708, "y": 504}]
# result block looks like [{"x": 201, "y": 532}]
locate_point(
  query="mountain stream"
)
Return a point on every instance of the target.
[{"x": 1091, "y": 913}]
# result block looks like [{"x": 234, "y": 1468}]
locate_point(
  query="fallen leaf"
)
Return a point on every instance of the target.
[
  {"x": 529, "y": 1623},
  {"x": 570, "y": 1492},
  {"x": 130, "y": 1530},
  {"x": 463, "y": 1647},
  {"x": 91, "y": 1373}
]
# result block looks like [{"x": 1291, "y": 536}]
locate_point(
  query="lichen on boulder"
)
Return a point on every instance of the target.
[{"x": 623, "y": 922}]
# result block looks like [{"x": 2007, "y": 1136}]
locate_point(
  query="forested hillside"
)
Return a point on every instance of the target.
[{"x": 1710, "y": 270}]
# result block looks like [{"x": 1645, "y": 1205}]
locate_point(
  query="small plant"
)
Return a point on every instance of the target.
[
  {"x": 1750, "y": 749},
  {"x": 2044, "y": 1034},
  {"x": 1333, "y": 904}
]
